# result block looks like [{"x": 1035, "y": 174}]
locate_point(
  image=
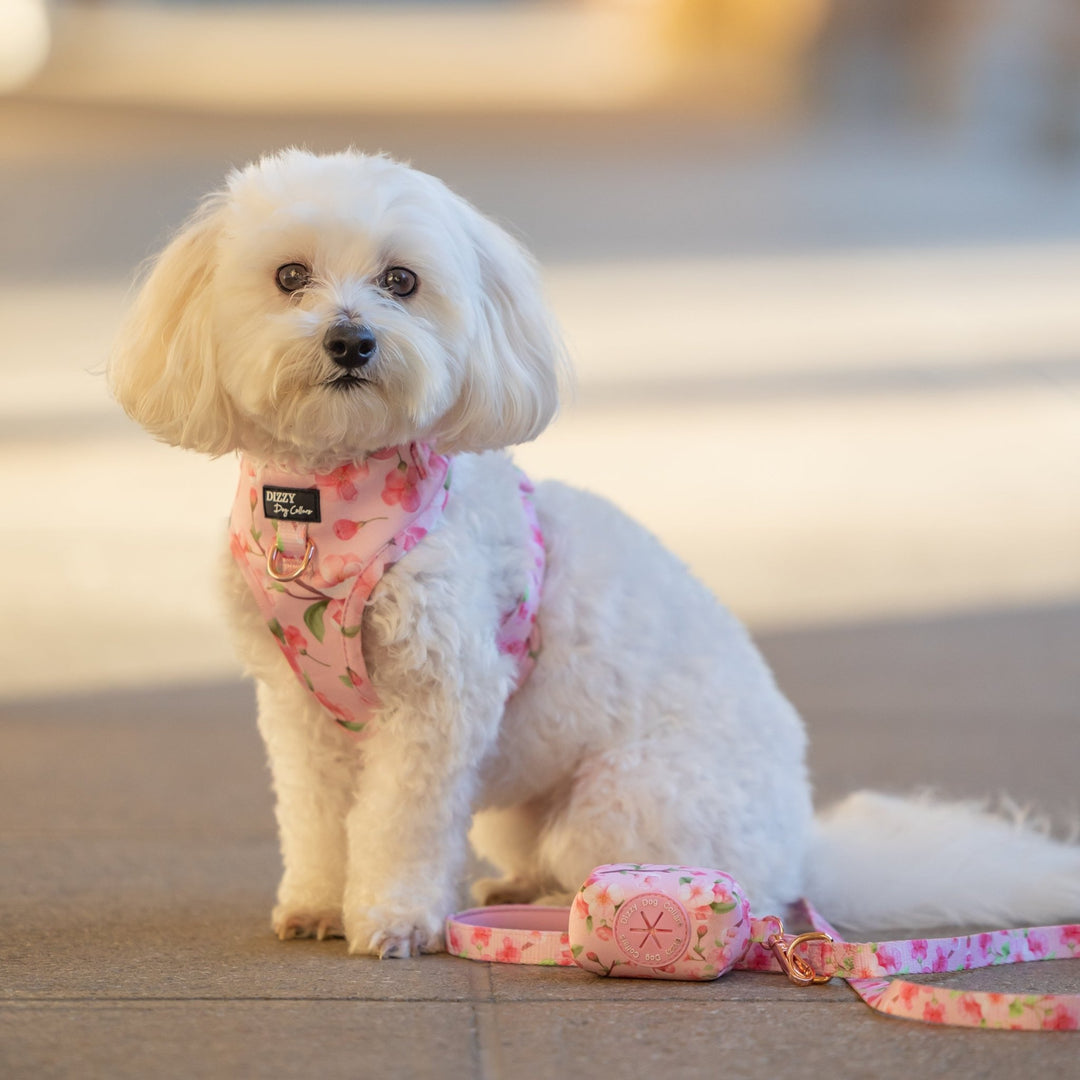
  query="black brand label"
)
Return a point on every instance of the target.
[{"x": 291, "y": 504}]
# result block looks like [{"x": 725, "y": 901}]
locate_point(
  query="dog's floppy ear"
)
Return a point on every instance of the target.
[
  {"x": 163, "y": 370},
  {"x": 516, "y": 360}
]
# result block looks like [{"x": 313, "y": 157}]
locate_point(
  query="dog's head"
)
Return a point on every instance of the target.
[{"x": 322, "y": 307}]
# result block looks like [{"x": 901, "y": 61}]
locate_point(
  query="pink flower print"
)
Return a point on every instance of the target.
[
  {"x": 969, "y": 1007},
  {"x": 934, "y": 1012},
  {"x": 941, "y": 961},
  {"x": 907, "y": 994},
  {"x": 581, "y": 906},
  {"x": 603, "y": 897},
  {"x": 294, "y": 639},
  {"x": 238, "y": 546},
  {"x": 343, "y": 479},
  {"x": 1070, "y": 936},
  {"x": 345, "y": 530},
  {"x": 1039, "y": 944},
  {"x": 453, "y": 942},
  {"x": 335, "y": 610},
  {"x": 412, "y": 536},
  {"x": 508, "y": 952},
  {"x": 514, "y": 648},
  {"x": 722, "y": 895},
  {"x": 889, "y": 959},
  {"x": 918, "y": 949},
  {"x": 1061, "y": 1019},
  {"x": 692, "y": 893},
  {"x": 401, "y": 488},
  {"x": 481, "y": 936},
  {"x": 603, "y": 932},
  {"x": 336, "y": 568}
]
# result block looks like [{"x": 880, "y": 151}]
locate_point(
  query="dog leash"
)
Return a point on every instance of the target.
[{"x": 650, "y": 921}]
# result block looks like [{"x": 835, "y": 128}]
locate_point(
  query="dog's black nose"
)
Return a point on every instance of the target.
[{"x": 349, "y": 345}]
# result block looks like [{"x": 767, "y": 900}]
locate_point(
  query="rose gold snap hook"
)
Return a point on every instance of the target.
[
  {"x": 797, "y": 968},
  {"x": 273, "y": 556}
]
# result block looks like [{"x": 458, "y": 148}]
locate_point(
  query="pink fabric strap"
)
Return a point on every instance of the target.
[
  {"x": 511, "y": 934},
  {"x": 523, "y": 934}
]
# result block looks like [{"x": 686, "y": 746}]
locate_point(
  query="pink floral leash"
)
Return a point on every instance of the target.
[{"x": 676, "y": 922}]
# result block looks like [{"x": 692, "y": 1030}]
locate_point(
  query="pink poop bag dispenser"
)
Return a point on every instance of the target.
[
  {"x": 628, "y": 920},
  {"x": 659, "y": 922}
]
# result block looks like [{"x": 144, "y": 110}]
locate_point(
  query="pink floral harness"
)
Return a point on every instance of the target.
[{"x": 312, "y": 548}]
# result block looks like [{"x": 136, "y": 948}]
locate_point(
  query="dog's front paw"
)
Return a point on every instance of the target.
[
  {"x": 289, "y": 924},
  {"x": 395, "y": 935}
]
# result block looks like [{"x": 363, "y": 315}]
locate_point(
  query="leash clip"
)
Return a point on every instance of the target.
[{"x": 797, "y": 968}]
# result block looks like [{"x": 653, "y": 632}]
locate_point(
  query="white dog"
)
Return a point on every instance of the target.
[{"x": 363, "y": 335}]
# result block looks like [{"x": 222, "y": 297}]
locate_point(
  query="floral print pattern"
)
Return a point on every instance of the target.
[
  {"x": 372, "y": 513},
  {"x": 625, "y": 900}
]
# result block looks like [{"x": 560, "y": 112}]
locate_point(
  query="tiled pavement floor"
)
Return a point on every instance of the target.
[{"x": 138, "y": 862}]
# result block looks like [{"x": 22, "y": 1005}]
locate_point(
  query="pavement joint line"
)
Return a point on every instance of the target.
[{"x": 487, "y": 1050}]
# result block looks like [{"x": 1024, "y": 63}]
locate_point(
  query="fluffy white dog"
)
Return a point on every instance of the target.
[{"x": 324, "y": 314}]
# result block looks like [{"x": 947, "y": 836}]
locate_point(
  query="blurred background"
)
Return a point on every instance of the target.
[{"x": 817, "y": 262}]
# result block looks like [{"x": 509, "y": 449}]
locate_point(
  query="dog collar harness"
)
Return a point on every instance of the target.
[
  {"x": 312, "y": 548},
  {"x": 691, "y": 922}
]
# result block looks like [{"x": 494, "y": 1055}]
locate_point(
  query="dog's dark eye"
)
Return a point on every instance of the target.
[
  {"x": 292, "y": 276},
  {"x": 398, "y": 281}
]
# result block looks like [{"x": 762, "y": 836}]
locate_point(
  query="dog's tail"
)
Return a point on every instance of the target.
[{"x": 878, "y": 861}]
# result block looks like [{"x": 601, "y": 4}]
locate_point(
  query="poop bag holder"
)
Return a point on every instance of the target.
[
  {"x": 627, "y": 920},
  {"x": 684, "y": 922}
]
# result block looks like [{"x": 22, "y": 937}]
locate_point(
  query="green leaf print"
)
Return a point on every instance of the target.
[
  {"x": 313, "y": 618},
  {"x": 722, "y": 909},
  {"x": 275, "y": 629},
  {"x": 350, "y": 631}
]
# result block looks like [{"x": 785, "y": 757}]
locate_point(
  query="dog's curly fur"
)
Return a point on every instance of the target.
[{"x": 651, "y": 730}]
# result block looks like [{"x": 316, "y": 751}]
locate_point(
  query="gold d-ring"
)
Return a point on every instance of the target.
[
  {"x": 797, "y": 968},
  {"x": 273, "y": 555}
]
